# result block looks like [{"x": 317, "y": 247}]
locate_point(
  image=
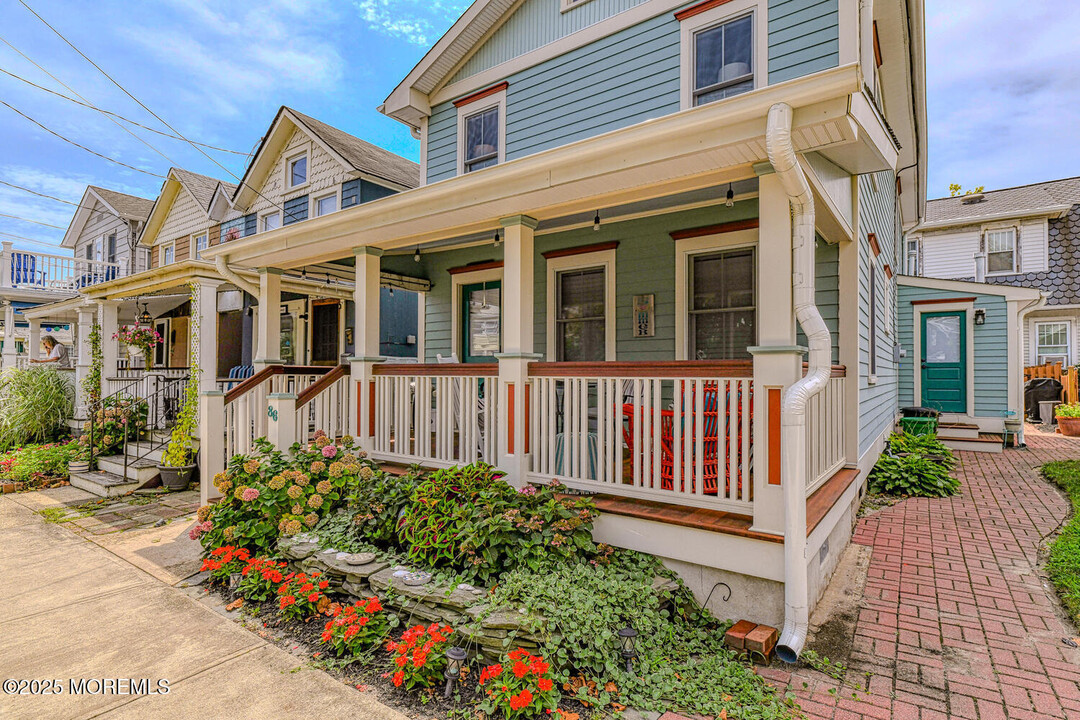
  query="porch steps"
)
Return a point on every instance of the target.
[
  {"x": 985, "y": 442},
  {"x": 958, "y": 431},
  {"x": 138, "y": 471},
  {"x": 103, "y": 483}
]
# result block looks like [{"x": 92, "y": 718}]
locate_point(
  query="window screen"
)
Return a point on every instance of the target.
[
  {"x": 579, "y": 315},
  {"x": 722, "y": 305}
]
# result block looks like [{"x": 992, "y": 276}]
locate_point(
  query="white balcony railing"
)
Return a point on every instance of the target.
[
  {"x": 28, "y": 270},
  {"x": 825, "y": 445}
]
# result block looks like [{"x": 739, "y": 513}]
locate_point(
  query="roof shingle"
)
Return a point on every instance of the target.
[
  {"x": 201, "y": 186},
  {"x": 1019, "y": 200},
  {"x": 362, "y": 155},
  {"x": 131, "y": 206}
]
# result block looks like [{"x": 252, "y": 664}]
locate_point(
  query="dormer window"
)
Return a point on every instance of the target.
[
  {"x": 297, "y": 171},
  {"x": 724, "y": 60},
  {"x": 482, "y": 139}
]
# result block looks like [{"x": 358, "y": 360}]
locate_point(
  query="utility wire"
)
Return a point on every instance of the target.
[
  {"x": 113, "y": 121},
  {"x": 144, "y": 107},
  {"x": 36, "y": 222},
  {"x": 81, "y": 147},
  {"x": 110, "y": 112},
  {"x": 30, "y": 240},
  {"x": 61, "y": 200}
]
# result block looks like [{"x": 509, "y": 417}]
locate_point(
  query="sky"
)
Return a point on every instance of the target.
[{"x": 1003, "y": 89}]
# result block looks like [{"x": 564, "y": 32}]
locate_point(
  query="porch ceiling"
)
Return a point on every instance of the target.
[{"x": 684, "y": 152}]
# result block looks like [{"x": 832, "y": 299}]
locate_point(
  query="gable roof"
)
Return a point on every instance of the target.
[
  {"x": 353, "y": 153},
  {"x": 121, "y": 205},
  {"x": 200, "y": 187},
  {"x": 1039, "y": 198}
]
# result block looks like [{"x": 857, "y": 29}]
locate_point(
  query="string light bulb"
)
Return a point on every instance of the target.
[
  {"x": 730, "y": 202},
  {"x": 416, "y": 257},
  {"x": 596, "y": 222},
  {"x": 497, "y": 241}
]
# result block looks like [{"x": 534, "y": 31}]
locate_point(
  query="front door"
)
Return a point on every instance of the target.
[
  {"x": 324, "y": 334},
  {"x": 481, "y": 324},
  {"x": 944, "y": 361}
]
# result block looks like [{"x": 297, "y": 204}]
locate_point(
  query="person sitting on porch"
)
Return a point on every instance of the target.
[{"x": 57, "y": 353}]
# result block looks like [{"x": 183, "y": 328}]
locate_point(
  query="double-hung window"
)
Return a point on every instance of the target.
[
  {"x": 200, "y": 242},
  {"x": 1052, "y": 342},
  {"x": 1001, "y": 251},
  {"x": 297, "y": 171},
  {"x": 580, "y": 319},
  {"x": 271, "y": 221},
  {"x": 723, "y": 60},
  {"x": 722, "y": 308},
  {"x": 482, "y": 139},
  {"x": 168, "y": 254}
]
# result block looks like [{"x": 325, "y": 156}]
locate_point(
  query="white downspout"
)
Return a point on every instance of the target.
[
  {"x": 221, "y": 264},
  {"x": 793, "y": 413}
]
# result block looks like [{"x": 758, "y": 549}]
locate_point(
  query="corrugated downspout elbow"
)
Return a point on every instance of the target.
[
  {"x": 793, "y": 413},
  {"x": 221, "y": 264}
]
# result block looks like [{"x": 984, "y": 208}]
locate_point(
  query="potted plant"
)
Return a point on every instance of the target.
[
  {"x": 178, "y": 461},
  {"x": 141, "y": 340},
  {"x": 1068, "y": 419},
  {"x": 80, "y": 459}
]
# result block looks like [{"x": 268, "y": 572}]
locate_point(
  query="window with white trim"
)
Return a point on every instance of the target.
[
  {"x": 296, "y": 170},
  {"x": 1001, "y": 251},
  {"x": 722, "y": 304},
  {"x": 912, "y": 256},
  {"x": 482, "y": 139},
  {"x": 200, "y": 243},
  {"x": 580, "y": 315},
  {"x": 271, "y": 221},
  {"x": 99, "y": 248},
  {"x": 1052, "y": 343},
  {"x": 326, "y": 204},
  {"x": 168, "y": 254},
  {"x": 723, "y": 60}
]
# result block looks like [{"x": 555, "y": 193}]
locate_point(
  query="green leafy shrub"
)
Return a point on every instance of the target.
[
  {"x": 1063, "y": 562},
  {"x": 115, "y": 418},
  {"x": 915, "y": 466},
  {"x": 34, "y": 403},
  {"x": 467, "y": 518},
  {"x": 180, "y": 451},
  {"x": 1071, "y": 410},
  {"x": 378, "y": 503},
  {"x": 38, "y": 465}
]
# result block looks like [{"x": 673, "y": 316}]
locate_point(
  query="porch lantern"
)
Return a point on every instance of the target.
[
  {"x": 627, "y": 648},
  {"x": 980, "y": 316},
  {"x": 144, "y": 318},
  {"x": 455, "y": 659},
  {"x": 416, "y": 257},
  {"x": 497, "y": 237}
]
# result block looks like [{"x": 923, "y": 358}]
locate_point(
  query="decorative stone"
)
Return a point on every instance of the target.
[
  {"x": 355, "y": 559},
  {"x": 356, "y": 589},
  {"x": 417, "y": 579},
  {"x": 295, "y": 548}
]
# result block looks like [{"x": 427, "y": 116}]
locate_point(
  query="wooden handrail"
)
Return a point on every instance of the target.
[
  {"x": 675, "y": 369},
  {"x": 311, "y": 391},
  {"x": 437, "y": 369},
  {"x": 837, "y": 370},
  {"x": 258, "y": 378}
]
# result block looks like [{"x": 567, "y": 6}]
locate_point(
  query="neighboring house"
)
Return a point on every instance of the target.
[
  {"x": 1026, "y": 236},
  {"x": 617, "y": 287},
  {"x": 102, "y": 237}
]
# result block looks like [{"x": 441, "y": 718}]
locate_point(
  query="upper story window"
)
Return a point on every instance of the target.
[
  {"x": 911, "y": 257},
  {"x": 200, "y": 243},
  {"x": 326, "y": 204},
  {"x": 297, "y": 170},
  {"x": 271, "y": 221},
  {"x": 724, "y": 60},
  {"x": 99, "y": 249},
  {"x": 722, "y": 304},
  {"x": 110, "y": 248},
  {"x": 482, "y": 139},
  {"x": 1001, "y": 251},
  {"x": 168, "y": 254}
]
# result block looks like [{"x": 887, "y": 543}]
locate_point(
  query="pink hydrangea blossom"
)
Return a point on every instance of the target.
[
  {"x": 200, "y": 528},
  {"x": 330, "y": 451},
  {"x": 249, "y": 494},
  {"x": 528, "y": 490}
]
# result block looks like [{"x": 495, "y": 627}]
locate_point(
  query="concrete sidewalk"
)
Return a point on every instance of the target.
[{"x": 73, "y": 610}]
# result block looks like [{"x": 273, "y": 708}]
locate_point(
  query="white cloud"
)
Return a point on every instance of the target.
[
  {"x": 417, "y": 21},
  {"x": 1004, "y": 95}
]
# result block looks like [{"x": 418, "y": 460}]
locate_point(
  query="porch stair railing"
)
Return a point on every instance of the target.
[
  {"x": 439, "y": 414},
  {"x": 674, "y": 432},
  {"x": 246, "y": 405},
  {"x": 325, "y": 405}
]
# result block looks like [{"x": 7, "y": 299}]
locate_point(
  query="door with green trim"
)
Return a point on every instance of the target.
[
  {"x": 481, "y": 321},
  {"x": 944, "y": 361}
]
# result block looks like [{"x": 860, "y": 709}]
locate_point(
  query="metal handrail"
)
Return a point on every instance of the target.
[{"x": 163, "y": 385}]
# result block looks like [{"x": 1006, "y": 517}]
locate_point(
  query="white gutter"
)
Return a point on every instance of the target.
[
  {"x": 793, "y": 413},
  {"x": 221, "y": 264}
]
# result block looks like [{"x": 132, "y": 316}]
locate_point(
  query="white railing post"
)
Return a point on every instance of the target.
[
  {"x": 366, "y": 299},
  {"x": 212, "y": 458},
  {"x": 5, "y": 263},
  {"x": 9, "y": 353},
  {"x": 513, "y": 419},
  {"x": 281, "y": 420}
]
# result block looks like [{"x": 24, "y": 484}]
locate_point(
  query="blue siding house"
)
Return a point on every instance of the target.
[{"x": 661, "y": 239}]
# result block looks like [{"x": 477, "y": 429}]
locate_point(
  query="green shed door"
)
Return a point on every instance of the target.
[{"x": 944, "y": 361}]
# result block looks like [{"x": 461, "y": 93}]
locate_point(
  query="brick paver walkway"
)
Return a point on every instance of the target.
[{"x": 956, "y": 619}]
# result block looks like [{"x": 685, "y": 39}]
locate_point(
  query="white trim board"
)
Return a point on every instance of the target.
[
  {"x": 459, "y": 280},
  {"x": 729, "y": 11}
]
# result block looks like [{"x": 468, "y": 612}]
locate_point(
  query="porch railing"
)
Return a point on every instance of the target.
[
  {"x": 325, "y": 405},
  {"x": 825, "y": 442},
  {"x": 441, "y": 414},
  {"x": 246, "y": 417},
  {"x": 41, "y": 271},
  {"x": 679, "y": 432}
]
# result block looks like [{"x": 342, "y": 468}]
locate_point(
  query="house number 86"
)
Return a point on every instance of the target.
[{"x": 271, "y": 413}]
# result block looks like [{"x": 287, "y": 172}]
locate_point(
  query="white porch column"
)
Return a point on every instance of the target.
[
  {"x": 366, "y": 339},
  {"x": 5, "y": 262},
  {"x": 108, "y": 318},
  {"x": 33, "y": 340},
  {"x": 204, "y": 332},
  {"x": 849, "y": 342},
  {"x": 9, "y": 336},
  {"x": 777, "y": 359},
  {"x": 517, "y": 343},
  {"x": 86, "y": 316},
  {"x": 268, "y": 350}
]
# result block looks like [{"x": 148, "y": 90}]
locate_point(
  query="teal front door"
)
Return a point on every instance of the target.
[
  {"x": 481, "y": 315},
  {"x": 944, "y": 361}
]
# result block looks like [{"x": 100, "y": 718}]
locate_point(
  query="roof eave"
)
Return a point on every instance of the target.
[{"x": 1050, "y": 211}]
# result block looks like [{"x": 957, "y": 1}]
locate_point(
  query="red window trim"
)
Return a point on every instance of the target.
[{"x": 481, "y": 94}]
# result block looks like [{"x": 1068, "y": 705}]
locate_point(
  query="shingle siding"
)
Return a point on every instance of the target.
[{"x": 1061, "y": 281}]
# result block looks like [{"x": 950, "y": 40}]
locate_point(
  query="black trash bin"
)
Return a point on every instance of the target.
[{"x": 1038, "y": 390}]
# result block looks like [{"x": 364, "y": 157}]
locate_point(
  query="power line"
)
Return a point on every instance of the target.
[
  {"x": 144, "y": 107},
  {"x": 30, "y": 240},
  {"x": 81, "y": 147},
  {"x": 114, "y": 122},
  {"x": 36, "y": 222},
  {"x": 61, "y": 200},
  {"x": 109, "y": 112}
]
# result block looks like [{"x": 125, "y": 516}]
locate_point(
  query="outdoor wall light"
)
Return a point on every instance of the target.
[
  {"x": 980, "y": 316},
  {"x": 627, "y": 648},
  {"x": 455, "y": 660}
]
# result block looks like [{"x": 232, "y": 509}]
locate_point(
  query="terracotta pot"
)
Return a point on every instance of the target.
[
  {"x": 1069, "y": 426},
  {"x": 75, "y": 466},
  {"x": 176, "y": 478}
]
